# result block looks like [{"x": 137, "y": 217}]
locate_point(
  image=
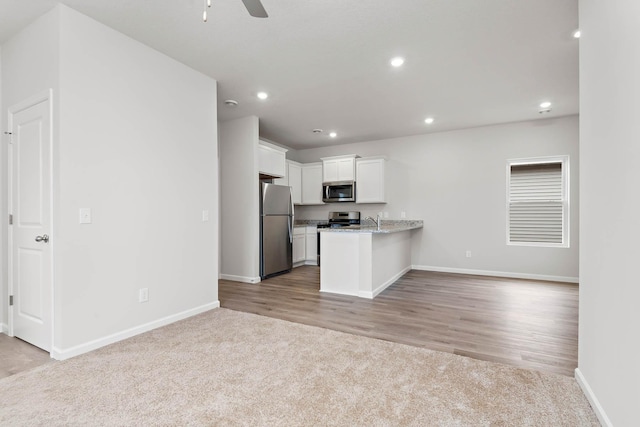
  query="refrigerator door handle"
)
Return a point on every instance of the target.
[
  {"x": 291, "y": 217},
  {"x": 291, "y": 201}
]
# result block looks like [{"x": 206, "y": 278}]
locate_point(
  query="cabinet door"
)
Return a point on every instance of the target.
[
  {"x": 298, "y": 248},
  {"x": 345, "y": 169},
  {"x": 295, "y": 182},
  {"x": 284, "y": 180},
  {"x": 312, "y": 245},
  {"x": 370, "y": 181},
  {"x": 271, "y": 161},
  {"x": 335, "y": 170},
  {"x": 312, "y": 184},
  {"x": 330, "y": 171}
]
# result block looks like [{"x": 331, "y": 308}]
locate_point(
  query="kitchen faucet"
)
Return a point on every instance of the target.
[{"x": 376, "y": 222}]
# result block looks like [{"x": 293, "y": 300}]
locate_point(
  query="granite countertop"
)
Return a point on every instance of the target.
[
  {"x": 386, "y": 227},
  {"x": 305, "y": 222}
]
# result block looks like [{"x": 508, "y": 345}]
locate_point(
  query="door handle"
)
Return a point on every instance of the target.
[{"x": 43, "y": 238}]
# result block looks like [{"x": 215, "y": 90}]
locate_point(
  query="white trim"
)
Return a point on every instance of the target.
[
  {"x": 351, "y": 294},
  {"x": 4, "y": 328},
  {"x": 593, "y": 400},
  {"x": 63, "y": 354},
  {"x": 244, "y": 279},
  {"x": 304, "y": 262},
  {"x": 385, "y": 285},
  {"x": 566, "y": 199},
  {"x": 272, "y": 145},
  {"x": 513, "y": 275}
]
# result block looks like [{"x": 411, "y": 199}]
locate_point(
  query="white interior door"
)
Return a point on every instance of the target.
[{"x": 30, "y": 275}]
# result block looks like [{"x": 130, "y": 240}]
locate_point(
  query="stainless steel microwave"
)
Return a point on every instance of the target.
[{"x": 343, "y": 191}]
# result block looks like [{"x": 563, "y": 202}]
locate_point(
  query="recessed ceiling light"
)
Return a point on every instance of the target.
[
  {"x": 576, "y": 34},
  {"x": 545, "y": 104},
  {"x": 397, "y": 61},
  {"x": 262, "y": 95},
  {"x": 333, "y": 134},
  {"x": 429, "y": 120}
]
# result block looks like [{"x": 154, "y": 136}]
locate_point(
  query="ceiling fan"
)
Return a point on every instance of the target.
[{"x": 254, "y": 7}]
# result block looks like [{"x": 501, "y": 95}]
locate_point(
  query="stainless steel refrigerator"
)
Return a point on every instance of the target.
[{"x": 276, "y": 229}]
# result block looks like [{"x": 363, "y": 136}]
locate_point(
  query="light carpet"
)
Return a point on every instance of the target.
[{"x": 230, "y": 368}]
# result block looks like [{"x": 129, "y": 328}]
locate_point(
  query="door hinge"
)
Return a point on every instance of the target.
[
  {"x": 10, "y": 300},
  {"x": 10, "y": 219}
]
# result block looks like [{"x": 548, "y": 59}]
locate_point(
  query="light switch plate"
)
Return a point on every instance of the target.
[
  {"x": 85, "y": 215},
  {"x": 205, "y": 216}
]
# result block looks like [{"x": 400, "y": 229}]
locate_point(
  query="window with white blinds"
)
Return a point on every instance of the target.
[{"x": 537, "y": 202}]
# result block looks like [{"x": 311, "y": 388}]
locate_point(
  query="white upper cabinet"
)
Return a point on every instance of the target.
[
  {"x": 271, "y": 159},
  {"x": 370, "y": 180},
  {"x": 312, "y": 184},
  {"x": 338, "y": 168},
  {"x": 292, "y": 178},
  {"x": 294, "y": 172}
]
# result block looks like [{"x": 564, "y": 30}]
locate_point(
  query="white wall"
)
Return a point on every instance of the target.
[
  {"x": 239, "y": 204},
  {"x": 29, "y": 66},
  {"x": 4, "y": 327},
  {"x": 609, "y": 342},
  {"x": 456, "y": 182},
  {"x": 138, "y": 145}
]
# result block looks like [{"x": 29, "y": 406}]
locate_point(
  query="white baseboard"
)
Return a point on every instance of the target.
[
  {"x": 62, "y": 354},
  {"x": 305, "y": 262},
  {"x": 595, "y": 404},
  {"x": 497, "y": 273},
  {"x": 244, "y": 279},
  {"x": 351, "y": 294},
  {"x": 384, "y": 286},
  {"x": 4, "y": 328}
]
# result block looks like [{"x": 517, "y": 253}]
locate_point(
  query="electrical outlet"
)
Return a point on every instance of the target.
[
  {"x": 403, "y": 214},
  {"x": 85, "y": 215},
  {"x": 386, "y": 214},
  {"x": 205, "y": 216},
  {"x": 143, "y": 295},
  {"x": 468, "y": 254}
]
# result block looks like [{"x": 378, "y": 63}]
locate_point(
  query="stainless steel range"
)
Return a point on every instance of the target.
[{"x": 338, "y": 220}]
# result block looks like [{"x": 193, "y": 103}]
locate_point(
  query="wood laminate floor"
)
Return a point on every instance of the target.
[{"x": 524, "y": 323}]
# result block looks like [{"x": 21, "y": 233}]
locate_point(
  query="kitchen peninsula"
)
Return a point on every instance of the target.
[{"x": 363, "y": 261}]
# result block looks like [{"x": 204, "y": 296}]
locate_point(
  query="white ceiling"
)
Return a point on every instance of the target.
[{"x": 325, "y": 63}]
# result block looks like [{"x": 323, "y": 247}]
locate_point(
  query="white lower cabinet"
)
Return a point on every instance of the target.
[
  {"x": 311, "y": 245},
  {"x": 305, "y": 245},
  {"x": 299, "y": 245}
]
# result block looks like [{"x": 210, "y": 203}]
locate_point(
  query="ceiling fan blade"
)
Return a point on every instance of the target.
[{"x": 255, "y": 8}]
